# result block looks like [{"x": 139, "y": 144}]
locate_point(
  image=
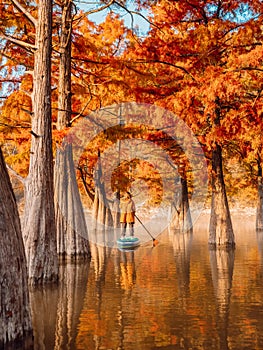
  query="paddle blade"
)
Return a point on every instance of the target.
[{"x": 155, "y": 242}]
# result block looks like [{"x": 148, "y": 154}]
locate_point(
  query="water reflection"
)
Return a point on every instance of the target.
[
  {"x": 56, "y": 309},
  {"x": 181, "y": 242},
  {"x": 222, "y": 266},
  {"x": 175, "y": 295}
]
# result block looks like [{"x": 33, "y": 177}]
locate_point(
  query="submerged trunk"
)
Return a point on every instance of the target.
[
  {"x": 180, "y": 211},
  {"x": 220, "y": 228},
  {"x": 39, "y": 229},
  {"x": 15, "y": 318},
  {"x": 72, "y": 233},
  {"x": 259, "y": 215}
]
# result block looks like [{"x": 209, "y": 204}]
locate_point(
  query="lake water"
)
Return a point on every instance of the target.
[{"x": 175, "y": 295}]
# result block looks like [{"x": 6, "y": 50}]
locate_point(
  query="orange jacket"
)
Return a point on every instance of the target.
[{"x": 127, "y": 208}]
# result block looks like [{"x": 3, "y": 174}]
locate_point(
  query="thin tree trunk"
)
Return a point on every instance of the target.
[
  {"x": 116, "y": 211},
  {"x": 15, "y": 318},
  {"x": 72, "y": 236},
  {"x": 180, "y": 211},
  {"x": 72, "y": 233},
  {"x": 259, "y": 214},
  {"x": 220, "y": 228},
  {"x": 39, "y": 216},
  {"x": 64, "y": 83},
  {"x": 101, "y": 210}
]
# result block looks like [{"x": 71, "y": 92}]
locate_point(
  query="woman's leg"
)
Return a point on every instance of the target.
[
  {"x": 123, "y": 228},
  {"x": 131, "y": 228}
]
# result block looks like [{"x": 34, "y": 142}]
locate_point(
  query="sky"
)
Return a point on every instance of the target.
[{"x": 139, "y": 22}]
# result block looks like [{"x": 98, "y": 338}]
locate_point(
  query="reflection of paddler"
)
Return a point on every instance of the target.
[
  {"x": 127, "y": 217},
  {"x": 127, "y": 277}
]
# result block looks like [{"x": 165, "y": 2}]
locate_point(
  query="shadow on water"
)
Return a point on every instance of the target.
[{"x": 178, "y": 294}]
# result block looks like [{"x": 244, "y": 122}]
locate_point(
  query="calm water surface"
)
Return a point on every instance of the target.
[{"x": 176, "y": 295}]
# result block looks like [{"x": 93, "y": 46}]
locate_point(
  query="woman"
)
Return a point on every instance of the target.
[{"x": 127, "y": 209}]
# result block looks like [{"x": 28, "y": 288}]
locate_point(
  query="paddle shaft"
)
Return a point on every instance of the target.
[{"x": 145, "y": 227}]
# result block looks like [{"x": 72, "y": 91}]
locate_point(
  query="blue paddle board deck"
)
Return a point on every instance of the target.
[{"x": 128, "y": 242}]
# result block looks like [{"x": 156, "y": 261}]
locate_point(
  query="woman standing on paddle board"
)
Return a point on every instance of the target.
[{"x": 127, "y": 217}]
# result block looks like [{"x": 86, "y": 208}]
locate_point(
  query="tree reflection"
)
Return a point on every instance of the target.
[
  {"x": 181, "y": 242},
  {"x": 56, "y": 309},
  {"x": 260, "y": 245},
  {"x": 222, "y": 266}
]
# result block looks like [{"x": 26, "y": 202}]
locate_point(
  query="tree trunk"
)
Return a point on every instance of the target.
[
  {"x": 116, "y": 211},
  {"x": 220, "y": 228},
  {"x": 39, "y": 216},
  {"x": 101, "y": 210},
  {"x": 259, "y": 214},
  {"x": 64, "y": 83},
  {"x": 180, "y": 211},
  {"x": 15, "y": 318},
  {"x": 72, "y": 235}
]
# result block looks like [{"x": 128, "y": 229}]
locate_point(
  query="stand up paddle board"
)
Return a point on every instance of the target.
[{"x": 128, "y": 242}]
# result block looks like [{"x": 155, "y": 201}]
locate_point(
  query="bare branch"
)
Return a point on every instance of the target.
[
  {"x": 168, "y": 64},
  {"x": 255, "y": 100},
  {"x": 18, "y": 42},
  {"x": 95, "y": 10},
  {"x": 16, "y": 126},
  {"x": 249, "y": 68},
  {"x": 138, "y": 14},
  {"x": 14, "y": 173},
  {"x": 25, "y": 12},
  {"x": 81, "y": 112}
]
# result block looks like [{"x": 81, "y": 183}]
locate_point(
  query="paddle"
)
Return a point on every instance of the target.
[{"x": 149, "y": 233}]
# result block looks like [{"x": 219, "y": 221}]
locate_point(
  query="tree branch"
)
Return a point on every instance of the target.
[
  {"x": 168, "y": 64},
  {"x": 18, "y": 42},
  {"x": 95, "y": 10},
  {"x": 81, "y": 112},
  {"x": 25, "y": 12},
  {"x": 138, "y": 14},
  {"x": 14, "y": 173}
]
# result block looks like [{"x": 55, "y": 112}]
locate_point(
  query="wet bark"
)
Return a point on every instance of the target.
[
  {"x": 259, "y": 213},
  {"x": 72, "y": 233},
  {"x": 39, "y": 229},
  {"x": 15, "y": 317},
  {"x": 220, "y": 227}
]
